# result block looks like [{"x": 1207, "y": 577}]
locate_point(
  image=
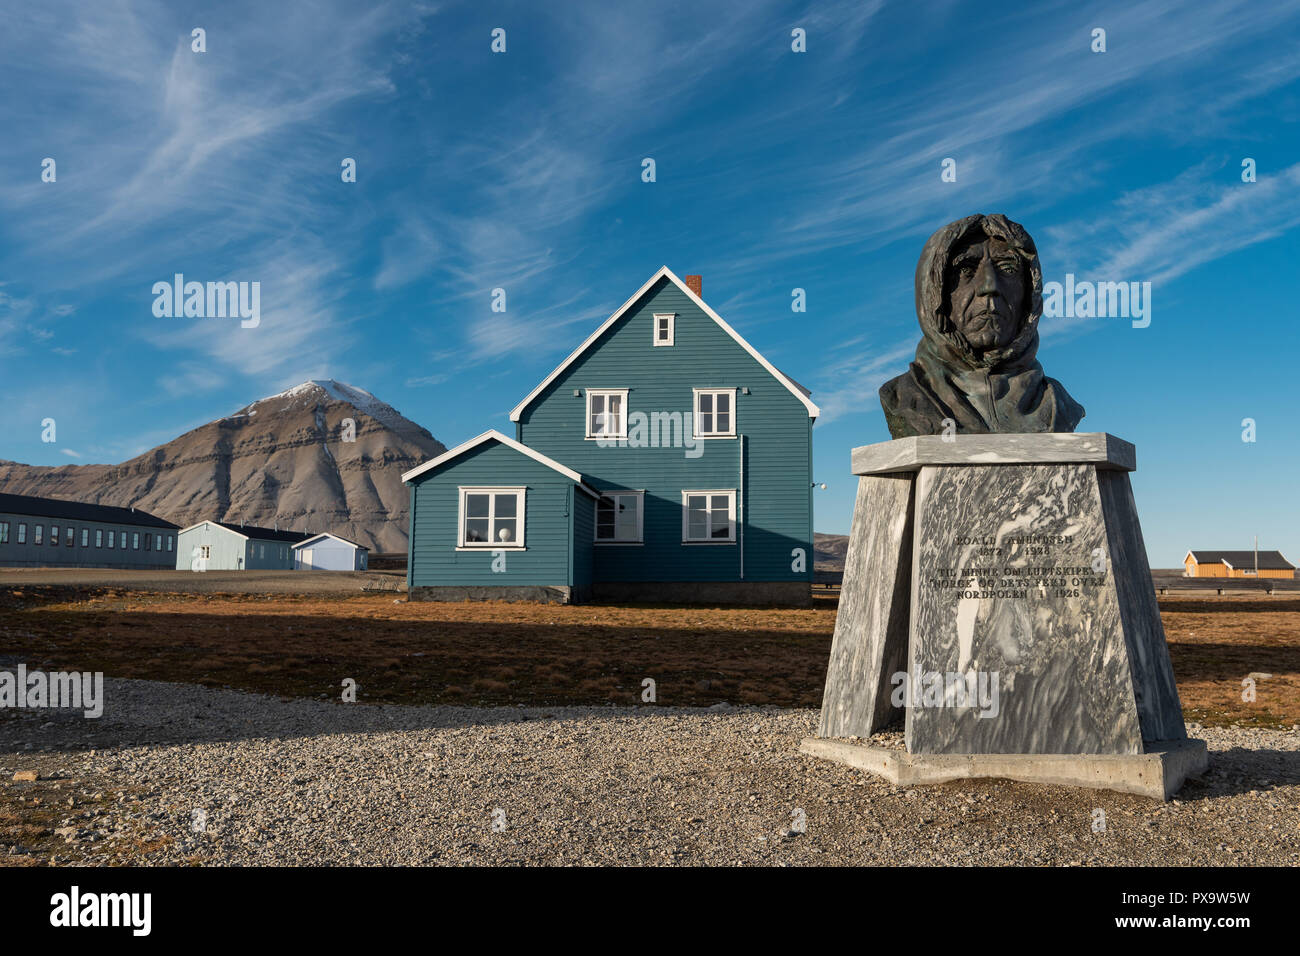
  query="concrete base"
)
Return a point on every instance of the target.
[
  {"x": 539, "y": 593},
  {"x": 784, "y": 593},
  {"x": 1159, "y": 773}
]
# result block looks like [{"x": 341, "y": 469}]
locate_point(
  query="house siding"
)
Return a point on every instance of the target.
[
  {"x": 584, "y": 531},
  {"x": 548, "y": 523},
  {"x": 45, "y": 555},
  {"x": 226, "y": 549},
  {"x": 775, "y": 513}
]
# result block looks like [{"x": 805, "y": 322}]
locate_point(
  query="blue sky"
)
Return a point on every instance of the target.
[{"x": 775, "y": 170}]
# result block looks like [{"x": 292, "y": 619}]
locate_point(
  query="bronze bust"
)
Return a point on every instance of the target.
[{"x": 979, "y": 296}]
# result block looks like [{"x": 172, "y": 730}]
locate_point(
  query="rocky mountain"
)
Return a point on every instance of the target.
[
  {"x": 282, "y": 461},
  {"x": 829, "y": 551}
]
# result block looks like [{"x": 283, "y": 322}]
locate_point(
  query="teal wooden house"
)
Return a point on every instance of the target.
[{"x": 664, "y": 460}]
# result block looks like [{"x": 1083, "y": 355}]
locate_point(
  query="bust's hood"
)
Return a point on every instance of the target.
[
  {"x": 946, "y": 345},
  {"x": 998, "y": 390}
]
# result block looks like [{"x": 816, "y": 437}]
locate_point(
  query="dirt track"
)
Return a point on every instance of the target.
[{"x": 207, "y": 582}]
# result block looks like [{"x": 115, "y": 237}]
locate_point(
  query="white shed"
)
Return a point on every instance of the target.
[{"x": 329, "y": 552}]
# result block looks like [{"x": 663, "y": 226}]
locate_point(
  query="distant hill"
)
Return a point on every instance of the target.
[
  {"x": 829, "y": 551},
  {"x": 280, "y": 461}
]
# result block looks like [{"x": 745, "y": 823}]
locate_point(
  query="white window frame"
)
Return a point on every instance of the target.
[
  {"x": 672, "y": 329},
  {"x": 695, "y": 412},
  {"x": 731, "y": 517},
  {"x": 521, "y": 495},
  {"x": 640, "y": 520},
  {"x": 607, "y": 436}
]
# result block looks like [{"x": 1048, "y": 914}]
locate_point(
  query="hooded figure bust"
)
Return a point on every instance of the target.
[{"x": 979, "y": 296}]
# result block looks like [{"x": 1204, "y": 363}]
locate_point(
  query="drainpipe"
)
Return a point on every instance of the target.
[{"x": 740, "y": 509}]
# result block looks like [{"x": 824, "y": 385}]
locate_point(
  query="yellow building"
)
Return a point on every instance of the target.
[{"x": 1236, "y": 564}]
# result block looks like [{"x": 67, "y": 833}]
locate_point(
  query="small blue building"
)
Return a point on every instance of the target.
[
  {"x": 329, "y": 552},
  {"x": 664, "y": 460}
]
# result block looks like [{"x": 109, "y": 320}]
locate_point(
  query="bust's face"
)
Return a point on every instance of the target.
[{"x": 987, "y": 302}]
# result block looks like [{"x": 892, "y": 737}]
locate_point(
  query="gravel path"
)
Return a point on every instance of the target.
[{"x": 303, "y": 782}]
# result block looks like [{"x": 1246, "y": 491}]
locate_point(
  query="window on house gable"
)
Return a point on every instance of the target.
[
  {"x": 99, "y": 537},
  {"x": 110, "y": 538},
  {"x": 22, "y": 533},
  {"x": 36, "y": 534},
  {"x": 715, "y": 413},
  {"x": 708, "y": 516},
  {"x": 619, "y": 517},
  {"x": 606, "y": 413},
  {"x": 491, "y": 518},
  {"x": 664, "y": 327}
]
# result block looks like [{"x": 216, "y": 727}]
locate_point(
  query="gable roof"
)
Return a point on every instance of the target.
[
  {"x": 797, "y": 390},
  {"x": 493, "y": 435},
  {"x": 78, "y": 511},
  {"x": 252, "y": 531},
  {"x": 1268, "y": 560},
  {"x": 326, "y": 534},
  {"x": 263, "y": 534}
]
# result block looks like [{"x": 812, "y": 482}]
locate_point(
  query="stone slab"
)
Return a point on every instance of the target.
[
  {"x": 1012, "y": 586},
  {"x": 871, "y": 623},
  {"x": 1100, "y": 449},
  {"x": 1160, "y": 712},
  {"x": 1158, "y": 772}
]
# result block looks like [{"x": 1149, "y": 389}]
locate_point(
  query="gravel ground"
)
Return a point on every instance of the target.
[{"x": 281, "y": 781}]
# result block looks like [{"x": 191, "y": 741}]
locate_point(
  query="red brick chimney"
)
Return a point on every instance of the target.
[{"x": 693, "y": 283}]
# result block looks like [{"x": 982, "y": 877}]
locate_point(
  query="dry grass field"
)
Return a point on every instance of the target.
[{"x": 304, "y": 645}]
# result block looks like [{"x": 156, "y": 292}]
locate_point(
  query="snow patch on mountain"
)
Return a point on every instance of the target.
[{"x": 358, "y": 398}]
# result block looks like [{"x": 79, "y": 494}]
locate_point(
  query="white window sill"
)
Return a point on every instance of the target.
[
  {"x": 620, "y": 544},
  {"x": 711, "y": 437},
  {"x": 490, "y": 548},
  {"x": 729, "y": 541}
]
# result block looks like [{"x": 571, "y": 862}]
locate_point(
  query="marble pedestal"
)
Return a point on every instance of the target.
[{"x": 997, "y": 598}]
